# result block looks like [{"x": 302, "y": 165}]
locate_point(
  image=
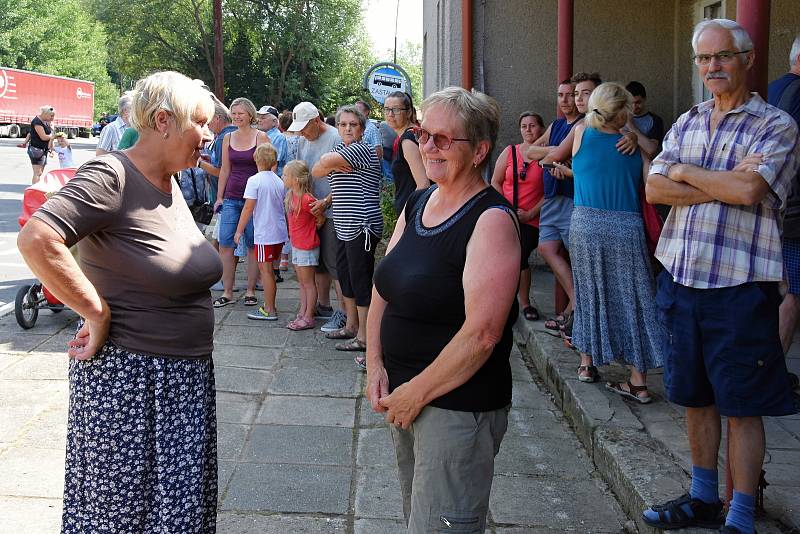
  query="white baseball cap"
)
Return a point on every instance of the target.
[{"x": 302, "y": 114}]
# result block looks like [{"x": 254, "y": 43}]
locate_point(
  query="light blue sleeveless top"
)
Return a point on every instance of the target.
[{"x": 604, "y": 178}]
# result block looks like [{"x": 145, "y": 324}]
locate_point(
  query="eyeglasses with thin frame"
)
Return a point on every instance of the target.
[
  {"x": 724, "y": 57},
  {"x": 393, "y": 111},
  {"x": 441, "y": 141}
]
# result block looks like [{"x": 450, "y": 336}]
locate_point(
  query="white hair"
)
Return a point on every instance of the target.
[
  {"x": 124, "y": 102},
  {"x": 172, "y": 92},
  {"x": 741, "y": 39},
  {"x": 795, "y": 51}
]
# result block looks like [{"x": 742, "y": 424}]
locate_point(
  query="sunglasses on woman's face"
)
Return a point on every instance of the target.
[{"x": 441, "y": 141}]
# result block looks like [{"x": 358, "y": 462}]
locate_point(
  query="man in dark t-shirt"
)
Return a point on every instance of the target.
[
  {"x": 784, "y": 93},
  {"x": 650, "y": 125}
]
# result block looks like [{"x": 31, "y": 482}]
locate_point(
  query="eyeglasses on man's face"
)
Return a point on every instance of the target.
[
  {"x": 724, "y": 57},
  {"x": 393, "y": 111},
  {"x": 441, "y": 141}
]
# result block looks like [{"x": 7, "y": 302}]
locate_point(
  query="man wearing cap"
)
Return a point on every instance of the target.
[
  {"x": 316, "y": 139},
  {"x": 268, "y": 122}
]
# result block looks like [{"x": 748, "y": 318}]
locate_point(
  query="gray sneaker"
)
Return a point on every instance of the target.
[
  {"x": 336, "y": 322},
  {"x": 323, "y": 312}
]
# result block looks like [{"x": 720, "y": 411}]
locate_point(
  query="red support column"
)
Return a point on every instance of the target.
[
  {"x": 565, "y": 53},
  {"x": 753, "y": 15},
  {"x": 466, "y": 44}
]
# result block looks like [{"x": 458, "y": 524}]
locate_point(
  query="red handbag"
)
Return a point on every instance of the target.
[{"x": 652, "y": 223}]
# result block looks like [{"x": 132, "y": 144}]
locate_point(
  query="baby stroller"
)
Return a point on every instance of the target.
[{"x": 32, "y": 298}]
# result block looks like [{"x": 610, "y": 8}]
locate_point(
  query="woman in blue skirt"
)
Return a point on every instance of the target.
[
  {"x": 141, "y": 433},
  {"x": 615, "y": 314}
]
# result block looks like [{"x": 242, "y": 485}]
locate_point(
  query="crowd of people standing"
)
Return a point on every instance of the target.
[{"x": 432, "y": 322}]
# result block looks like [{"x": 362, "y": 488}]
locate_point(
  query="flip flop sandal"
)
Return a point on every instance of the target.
[
  {"x": 594, "y": 374},
  {"x": 342, "y": 333},
  {"x": 222, "y": 301},
  {"x": 361, "y": 362},
  {"x": 632, "y": 394},
  {"x": 251, "y": 301},
  {"x": 530, "y": 313},
  {"x": 554, "y": 323},
  {"x": 299, "y": 324},
  {"x": 354, "y": 344}
]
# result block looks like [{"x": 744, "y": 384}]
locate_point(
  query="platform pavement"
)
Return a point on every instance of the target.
[
  {"x": 642, "y": 451},
  {"x": 300, "y": 450}
]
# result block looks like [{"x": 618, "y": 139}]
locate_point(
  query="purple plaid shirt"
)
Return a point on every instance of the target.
[{"x": 715, "y": 244}]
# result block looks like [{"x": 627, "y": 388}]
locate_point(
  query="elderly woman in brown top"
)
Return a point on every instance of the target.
[{"x": 141, "y": 433}]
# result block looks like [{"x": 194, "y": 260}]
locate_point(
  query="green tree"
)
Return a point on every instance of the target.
[
  {"x": 61, "y": 38},
  {"x": 409, "y": 56}
]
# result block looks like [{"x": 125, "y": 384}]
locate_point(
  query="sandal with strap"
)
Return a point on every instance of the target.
[
  {"x": 594, "y": 374},
  {"x": 342, "y": 333},
  {"x": 631, "y": 393},
  {"x": 674, "y": 514},
  {"x": 530, "y": 313},
  {"x": 354, "y": 344},
  {"x": 361, "y": 362},
  {"x": 554, "y": 323}
]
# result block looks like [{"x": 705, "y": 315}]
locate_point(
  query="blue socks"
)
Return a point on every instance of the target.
[
  {"x": 705, "y": 484},
  {"x": 741, "y": 513}
]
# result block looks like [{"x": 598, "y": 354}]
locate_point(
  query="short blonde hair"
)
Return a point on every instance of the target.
[
  {"x": 479, "y": 114},
  {"x": 47, "y": 109},
  {"x": 608, "y": 100},
  {"x": 248, "y": 106},
  {"x": 170, "y": 91},
  {"x": 265, "y": 155}
]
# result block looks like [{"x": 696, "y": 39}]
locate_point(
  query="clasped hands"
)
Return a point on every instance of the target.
[{"x": 401, "y": 407}]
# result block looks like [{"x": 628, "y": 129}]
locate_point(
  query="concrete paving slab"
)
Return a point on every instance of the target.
[
  {"x": 9, "y": 359},
  {"x": 250, "y": 337},
  {"x": 224, "y": 472},
  {"x": 375, "y": 448},
  {"x": 378, "y": 494},
  {"x": 299, "y": 444},
  {"x": 39, "y": 366},
  {"x": 541, "y": 457},
  {"x": 47, "y": 430},
  {"x": 530, "y": 502},
  {"x": 323, "y": 352},
  {"x": 31, "y": 472},
  {"x": 239, "y": 380},
  {"x": 237, "y": 411},
  {"x": 57, "y": 343},
  {"x": 47, "y": 322},
  {"x": 21, "y": 341},
  {"x": 305, "y": 377},
  {"x": 536, "y": 423},
  {"x": 249, "y": 357},
  {"x": 230, "y": 440},
  {"x": 289, "y": 488},
  {"x": 528, "y": 395},
  {"x": 23, "y": 515},
  {"x": 313, "y": 411},
  {"x": 238, "y": 317},
  {"x": 384, "y": 526},
  {"x": 368, "y": 418},
  {"x": 239, "y": 523}
]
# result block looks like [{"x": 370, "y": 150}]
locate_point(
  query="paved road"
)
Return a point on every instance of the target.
[
  {"x": 15, "y": 176},
  {"x": 300, "y": 450}
]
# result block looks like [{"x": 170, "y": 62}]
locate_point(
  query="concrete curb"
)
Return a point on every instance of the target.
[{"x": 636, "y": 466}]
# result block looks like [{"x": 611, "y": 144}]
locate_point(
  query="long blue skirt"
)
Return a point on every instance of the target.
[{"x": 615, "y": 302}]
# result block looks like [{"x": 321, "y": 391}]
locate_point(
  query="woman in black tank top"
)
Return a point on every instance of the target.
[{"x": 439, "y": 328}]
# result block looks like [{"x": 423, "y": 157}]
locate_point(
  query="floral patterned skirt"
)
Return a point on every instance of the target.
[{"x": 141, "y": 445}]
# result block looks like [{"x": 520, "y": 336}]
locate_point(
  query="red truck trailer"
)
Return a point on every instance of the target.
[{"x": 23, "y": 93}]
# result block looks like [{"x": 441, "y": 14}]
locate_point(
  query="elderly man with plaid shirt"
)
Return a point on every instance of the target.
[{"x": 726, "y": 169}]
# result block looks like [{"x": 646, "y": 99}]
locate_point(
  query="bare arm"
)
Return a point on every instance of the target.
[
  {"x": 490, "y": 277},
  {"x": 661, "y": 190},
  {"x": 499, "y": 174},
  {"x": 537, "y": 152},
  {"x": 377, "y": 380},
  {"x": 544, "y": 140},
  {"x": 736, "y": 187},
  {"x": 563, "y": 151},
  {"x": 649, "y": 147},
  {"x": 328, "y": 163},
  {"x": 209, "y": 168},
  {"x": 224, "y": 172},
  {"x": 52, "y": 263},
  {"x": 414, "y": 160}
]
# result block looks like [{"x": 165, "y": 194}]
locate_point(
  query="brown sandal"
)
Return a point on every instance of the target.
[{"x": 632, "y": 393}]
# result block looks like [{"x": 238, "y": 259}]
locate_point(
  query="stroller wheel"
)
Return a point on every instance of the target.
[{"x": 25, "y": 306}]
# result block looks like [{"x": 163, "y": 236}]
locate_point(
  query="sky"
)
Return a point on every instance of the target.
[{"x": 380, "y": 15}]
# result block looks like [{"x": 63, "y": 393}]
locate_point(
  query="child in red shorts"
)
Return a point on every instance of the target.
[{"x": 263, "y": 196}]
